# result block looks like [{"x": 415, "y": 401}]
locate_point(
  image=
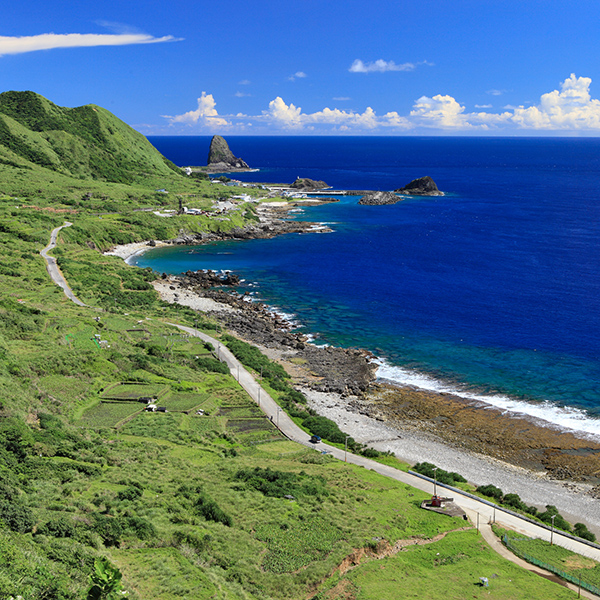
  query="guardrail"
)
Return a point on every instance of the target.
[
  {"x": 508, "y": 511},
  {"x": 548, "y": 567}
]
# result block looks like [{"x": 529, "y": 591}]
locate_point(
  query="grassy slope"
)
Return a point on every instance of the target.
[
  {"x": 87, "y": 142},
  {"x": 83, "y": 476}
]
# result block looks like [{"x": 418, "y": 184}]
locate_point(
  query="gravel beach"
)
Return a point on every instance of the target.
[{"x": 572, "y": 499}]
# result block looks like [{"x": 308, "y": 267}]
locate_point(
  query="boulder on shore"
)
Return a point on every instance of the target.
[
  {"x": 308, "y": 184},
  {"x": 424, "y": 186},
  {"x": 378, "y": 198},
  {"x": 221, "y": 158}
]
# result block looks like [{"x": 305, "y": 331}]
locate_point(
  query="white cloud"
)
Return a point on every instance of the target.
[
  {"x": 341, "y": 99},
  {"x": 496, "y": 92},
  {"x": 206, "y": 114},
  {"x": 571, "y": 108},
  {"x": 379, "y": 66},
  {"x": 245, "y": 82},
  {"x": 442, "y": 112},
  {"x": 49, "y": 41},
  {"x": 297, "y": 75},
  {"x": 242, "y": 95},
  {"x": 483, "y": 106},
  {"x": 281, "y": 113},
  {"x": 393, "y": 119}
]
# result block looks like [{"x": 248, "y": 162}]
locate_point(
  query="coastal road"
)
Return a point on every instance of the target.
[
  {"x": 53, "y": 269},
  {"x": 481, "y": 514}
]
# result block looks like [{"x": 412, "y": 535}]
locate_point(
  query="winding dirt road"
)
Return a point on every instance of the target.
[{"x": 53, "y": 269}]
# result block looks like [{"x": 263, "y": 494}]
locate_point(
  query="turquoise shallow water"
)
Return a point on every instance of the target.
[{"x": 491, "y": 290}]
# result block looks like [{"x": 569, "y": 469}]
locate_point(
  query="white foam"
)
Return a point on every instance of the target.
[{"x": 554, "y": 415}]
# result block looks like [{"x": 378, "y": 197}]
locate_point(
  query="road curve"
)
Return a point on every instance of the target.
[
  {"x": 479, "y": 512},
  {"x": 53, "y": 269}
]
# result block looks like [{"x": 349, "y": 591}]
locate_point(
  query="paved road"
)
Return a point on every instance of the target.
[
  {"x": 478, "y": 511},
  {"x": 53, "y": 269}
]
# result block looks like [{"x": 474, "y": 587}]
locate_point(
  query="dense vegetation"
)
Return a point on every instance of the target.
[{"x": 86, "y": 142}]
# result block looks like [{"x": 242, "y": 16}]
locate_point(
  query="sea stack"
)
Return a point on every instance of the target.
[
  {"x": 221, "y": 158},
  {"x": 424, "y": 186}
]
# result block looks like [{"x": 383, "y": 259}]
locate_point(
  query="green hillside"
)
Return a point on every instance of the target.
[{"x": 87, "y": 142}]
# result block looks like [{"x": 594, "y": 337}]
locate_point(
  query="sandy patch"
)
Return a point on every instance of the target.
[{"x": 189, "y": 298}]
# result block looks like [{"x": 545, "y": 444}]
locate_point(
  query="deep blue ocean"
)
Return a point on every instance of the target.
[{"x": 491, "y": 290}]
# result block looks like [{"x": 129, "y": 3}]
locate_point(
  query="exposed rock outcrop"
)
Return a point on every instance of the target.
[
  {"x": 308, "y": 184},
  {"x": 221, "y": 158},
  {"x": 377, "y": 198},
  {"x": 424, "y": 186}
]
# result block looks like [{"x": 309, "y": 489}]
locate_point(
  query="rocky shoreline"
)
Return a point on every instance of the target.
[{"x": 542, "y": 464}]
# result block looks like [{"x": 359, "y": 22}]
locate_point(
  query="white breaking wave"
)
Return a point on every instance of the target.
[{"x": 561, "y": 417}]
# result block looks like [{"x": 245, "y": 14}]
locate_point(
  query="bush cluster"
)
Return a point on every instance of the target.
[
  {"x": 446, "y": 477},
  {"x": 514, "y": 501},
  {"x": 278, "y": 484}
]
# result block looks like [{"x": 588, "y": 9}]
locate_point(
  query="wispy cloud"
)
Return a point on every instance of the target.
[
  {"x": 341, "y": 99},
  {"x": 50, "y": 41},
  {"x": 244, "y": 82},
  {"x": 496, "y": 92},
  {"x": 483, "y": 106},
  {"x": 297, "y": 75},
  {"x": 380, "y": 66}
]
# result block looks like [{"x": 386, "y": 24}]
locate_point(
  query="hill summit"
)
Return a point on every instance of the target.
[{"x": 87, "y": 142}]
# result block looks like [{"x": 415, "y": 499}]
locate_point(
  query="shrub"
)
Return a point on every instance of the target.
[
  {"x": 325, "y": 428},
  {"x": 211, "y": 511},
  {"x": 16, "y": 516},
  {"x": 491, "y": 491},
  {"x": 129, "y": 493},
  {"x": 61, "y": 527},
  {"x": 513, "y": 500},
  {"x": 582, "y": 531},
  {"x": 207, "y": 363},
  {"x": 446, "y": 477},
  {"x": 559, "y": 521}
]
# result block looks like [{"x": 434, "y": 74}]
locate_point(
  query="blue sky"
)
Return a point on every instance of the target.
[{"x": 418, "y": 67}]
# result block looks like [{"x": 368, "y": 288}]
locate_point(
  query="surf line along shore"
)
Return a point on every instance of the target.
[{"x": 541, "y": 464}]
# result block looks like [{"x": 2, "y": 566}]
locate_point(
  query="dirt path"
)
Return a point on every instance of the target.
[{"x": 53, "y": 269}]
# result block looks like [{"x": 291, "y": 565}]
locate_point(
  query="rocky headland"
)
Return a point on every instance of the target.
[
  {"x": 221, "y": 159},
  {"x": 424, "y": 186}
]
